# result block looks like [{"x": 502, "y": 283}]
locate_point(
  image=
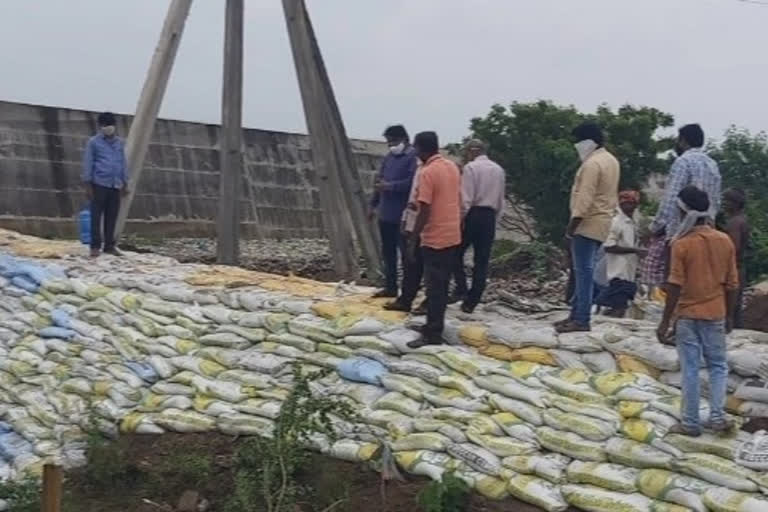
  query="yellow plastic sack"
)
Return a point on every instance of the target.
[
  {"x": 533, "y": 355},
  {"x": 629, "y": 364},
  {"x": 496, "y": 351},
  {"x": 474, "y": 335}
]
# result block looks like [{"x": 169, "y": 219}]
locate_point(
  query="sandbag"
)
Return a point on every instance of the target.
[
  {"x": 667, "y": 486},
  {"x": 717, "y": 470},
  {"x": 512, "y": 389},
  {"x": 431, "y": 441},
  {"x": 522, "y": 336},
  {"x": 550, "y": 467},
  {"x": 426, "y": 463},
  {"x": 753, "y": 452},
  {"x": 613, "y": 477},
  {"x": 361, "y": 370},
  {"x": 395, "y": 401},
  {"x": 594, "y": 499},
  {"x": 501, "y": 446},
  {"x": 529, "y": 413},
  {"x": 570, "y": 444},
  {"x": 537, "y": 491},
  {"x": 720, "y": 499},
  {"x": 589, "y": 428},
  {"x": 476, "y": 458},
  {"x": 638, "y": 455}
]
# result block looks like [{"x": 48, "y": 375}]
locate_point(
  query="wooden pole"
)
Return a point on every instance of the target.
[
  {"x": 151, "y": 98},
  {"x": 341, "y": 191},
  {"x": 230, "y": 145},
  {"x": 52, "y": 478}
]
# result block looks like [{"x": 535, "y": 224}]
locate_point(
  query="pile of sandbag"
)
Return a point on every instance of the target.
[{"x": 554, "y": 420}]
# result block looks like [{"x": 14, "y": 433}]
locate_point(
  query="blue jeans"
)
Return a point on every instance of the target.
[
  {"x": 583, "y": 252},
  {"x": 695, "y": 337}
]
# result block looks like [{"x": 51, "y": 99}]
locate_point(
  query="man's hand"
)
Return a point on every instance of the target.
[
  {"x": 728, "y": 325},
  {"x": 124, "y": 191},
  {"x": 411, "y": 246},
  {"x": 664, "y": 335}
]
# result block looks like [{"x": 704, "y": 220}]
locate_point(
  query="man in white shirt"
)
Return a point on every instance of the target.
[
  {"x": 483, "y": 189},
  {"x": 622, "y": 257}
]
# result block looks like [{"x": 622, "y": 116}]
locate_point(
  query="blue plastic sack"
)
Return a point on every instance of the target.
[
  {"x": 360, "y": 369},
  {"x": 5, "y": 427},
  {"x": 12, "y": 445},
  {"x": 35, "y": 273},
  {"x": 61, "y": 318},
  {"x": 57, "y": 332},
  {"x": 144, "y": 370},
  {"x": 25, "y": 284},
  {"x": 84, "y": 224}
]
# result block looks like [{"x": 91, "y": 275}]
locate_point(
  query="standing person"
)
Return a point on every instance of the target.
[
  {"x": 692, "y": 167},
  {"x": 105, "y": 177},
  {"x": 737, "y": 227},
  {"x": 392, "y": 186},
  {"x": 437, "y": 229},
  {"x": 622, "y": 256},
  {"x": 701, "y": 293},
  {"x": 593, "y": 203},
  {"x": 413, "y": 265},
  {"x": 483, "y": 189}
]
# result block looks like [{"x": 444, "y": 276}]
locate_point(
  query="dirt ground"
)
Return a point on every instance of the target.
[{"x": 150, "y": 485}]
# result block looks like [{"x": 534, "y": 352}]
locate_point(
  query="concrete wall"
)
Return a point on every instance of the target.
[{"x": 40, "y": 192}]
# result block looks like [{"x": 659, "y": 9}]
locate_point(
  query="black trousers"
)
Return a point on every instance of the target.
[
  {"x": 413, "y": 270},
  {"x": 479, "y": 232},
  {"x": 438, "y": 267},
  {"x": 105, "y": 206},
  {"x": 391, "y": 241}
]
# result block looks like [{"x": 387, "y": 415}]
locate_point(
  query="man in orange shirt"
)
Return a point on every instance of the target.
[
  {"x": 701, "y": 290},
  {"x": 438, "y": 227}
]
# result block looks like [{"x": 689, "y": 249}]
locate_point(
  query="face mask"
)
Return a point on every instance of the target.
[
  {"x": 585, "y": 148},
  {"x": 679, "y": 149},
  {"x": 108, "y": 130},
  {"x": 397, "y": 150}
]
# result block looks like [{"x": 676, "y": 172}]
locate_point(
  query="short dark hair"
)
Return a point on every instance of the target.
[
  {"x": 693, "y": 135},
  {"x": 107, "y": 119},
  {"x": 426, "y": 142},
  {"x": 588, "y": 130},
  {"x": 396, "y": 131},
  {"x": 737, "y": 196},
  {"x": 694, "y": 198}
]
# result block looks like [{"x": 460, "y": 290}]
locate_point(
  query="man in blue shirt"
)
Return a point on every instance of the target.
[
  {"x": 392, "y": 188},
  {"x": 105, "y": 177}
]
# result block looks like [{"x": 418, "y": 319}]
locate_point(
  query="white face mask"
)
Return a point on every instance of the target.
[
  {"x": 585, "y": 148},
  {"x": 108, "y": 130},
  {"x": 397, "y": 150}
]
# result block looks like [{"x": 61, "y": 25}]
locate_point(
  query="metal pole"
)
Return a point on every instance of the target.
[
  {"x": 230, "y": 145},
  {"x": 151, "y": 98},
  {"x": 331, "y": 151}
]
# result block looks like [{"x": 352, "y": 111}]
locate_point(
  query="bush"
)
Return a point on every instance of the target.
[
  {"x": 451, "y": 494},
  {"x": 21, "y": 496},
  {"x": 265, "y": 468}
]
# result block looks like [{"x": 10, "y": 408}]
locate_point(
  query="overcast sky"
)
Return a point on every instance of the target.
[{"x": 431, "y": 64}]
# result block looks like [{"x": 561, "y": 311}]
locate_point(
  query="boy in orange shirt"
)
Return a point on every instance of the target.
[{"x": 701, "y": 290}]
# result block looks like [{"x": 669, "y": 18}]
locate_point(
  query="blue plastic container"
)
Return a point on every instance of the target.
[{"x": 84, "y": 223}]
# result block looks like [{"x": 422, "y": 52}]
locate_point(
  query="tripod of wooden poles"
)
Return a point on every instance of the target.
[{"x": 342, "y": 196}]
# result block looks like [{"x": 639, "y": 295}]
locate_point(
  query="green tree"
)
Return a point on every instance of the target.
[
  {"x": 532, "y": 142},
  {"x": 743, "y": 160}
]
